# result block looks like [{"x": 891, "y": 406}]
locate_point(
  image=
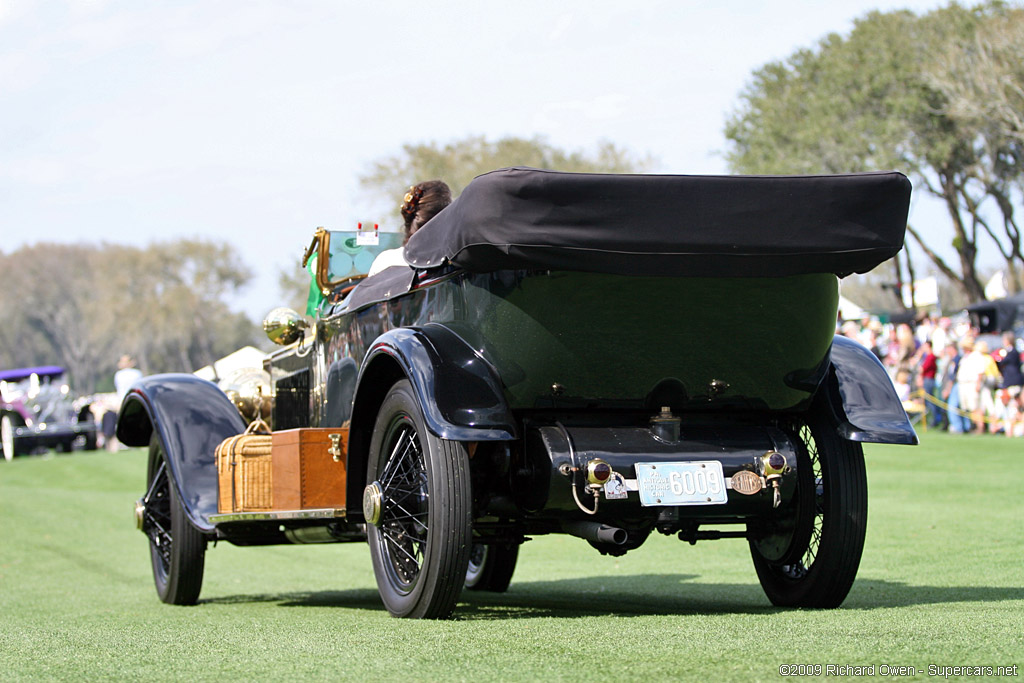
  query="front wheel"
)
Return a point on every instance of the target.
[
  {"x": 819, "y": 568},
  {"x": 491, "y": 566},
  {"x": 7, "y": 437},
  {"x": 417, "y": 505},
  {"x": 177, "y": 549}
]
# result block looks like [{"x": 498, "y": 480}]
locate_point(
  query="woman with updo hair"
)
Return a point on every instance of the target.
[{"x": 422, "y": 202}]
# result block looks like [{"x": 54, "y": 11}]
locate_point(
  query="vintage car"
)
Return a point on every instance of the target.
[
  {"x": 38, "y": 411},
  {"x": 993, "y": 318},
  {"x": 604, "y": 356}
]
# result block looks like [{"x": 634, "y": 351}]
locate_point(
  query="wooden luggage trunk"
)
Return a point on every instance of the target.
[
  {"x": 309, "y": 468},
  {"x": 294, "y": 469}
]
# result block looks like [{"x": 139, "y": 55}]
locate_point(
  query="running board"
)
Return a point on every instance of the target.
[{"x": 278, "y": 515}]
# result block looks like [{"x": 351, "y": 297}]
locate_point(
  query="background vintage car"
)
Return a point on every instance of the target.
[
  {"x": 37, "y": 410},
  {"x": 993, "y": 318}
]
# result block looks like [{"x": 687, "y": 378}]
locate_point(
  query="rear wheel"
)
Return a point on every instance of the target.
[
  {"x": 7, "y": 437},
  {"x": 85, "y": 416},
  {"x": 827, "y": 537},
  {"x": 491, "y": 566},
  {"x": 177, "y": 549},
  {"x": 418, "y": 508}
]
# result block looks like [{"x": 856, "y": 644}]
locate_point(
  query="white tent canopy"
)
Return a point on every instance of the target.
[
  {"x": 245, "y": 357},
  {"x": 996, "y": 287},
  {"x": 849, "y": 310}
]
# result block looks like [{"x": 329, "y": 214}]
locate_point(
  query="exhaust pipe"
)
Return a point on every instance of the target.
[{"x": 595, "y": 532}]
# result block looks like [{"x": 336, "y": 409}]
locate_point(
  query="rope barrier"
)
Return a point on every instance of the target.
[{"x": 920, "y": 393}]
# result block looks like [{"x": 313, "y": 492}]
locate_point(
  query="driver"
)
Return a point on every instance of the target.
[{"x": 421, "y": 203}]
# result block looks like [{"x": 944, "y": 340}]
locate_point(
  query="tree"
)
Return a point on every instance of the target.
[
  {"x": 458, "y": 162},
  {"x": 59, "y": 317},
  {"x": 883, "y": 98},
  {"x": 983, "y": 87},
  {"x": 82, "y": 306},
  {"x": 194, "y": 326}
]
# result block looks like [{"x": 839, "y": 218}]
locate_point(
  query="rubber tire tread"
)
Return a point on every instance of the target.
[
  {"x": 457, "y": 526},
  {"x": 831, "y": 575},
  {"x": 184, "y": 580},
  {"x": 499, "y": 566},
  {"x": 446, "y": 558}
]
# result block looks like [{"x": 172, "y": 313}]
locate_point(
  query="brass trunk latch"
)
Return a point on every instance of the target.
[{"x": 335, "y": 449}]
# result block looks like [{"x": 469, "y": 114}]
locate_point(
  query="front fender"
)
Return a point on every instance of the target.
[
  {"x": 192, "y": 417},
  {"x": 863, "y": 399}
]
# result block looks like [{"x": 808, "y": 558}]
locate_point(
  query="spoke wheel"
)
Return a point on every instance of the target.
[
  {"x": 819, "y": 568},
  {"x": 7, "y": 437},
  {"x": 491, "y": 566},
  {"x": 421, "y": 538},
  {"x": 177, "y": 549}
]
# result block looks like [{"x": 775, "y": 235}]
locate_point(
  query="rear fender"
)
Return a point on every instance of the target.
[
  {"x": 862, "y": 398},
  {"x": 460, "y": 393},
  {"x": 191, "y": 416}
]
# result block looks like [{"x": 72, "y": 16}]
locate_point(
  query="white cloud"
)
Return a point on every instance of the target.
[
  {"x": 11, "y": 10},
  {"x": 44, "y": 171},
  {"x": 18, "y": 71},
  {"x": 572, "y": 113},
  {"x": 560, "y": 27}
]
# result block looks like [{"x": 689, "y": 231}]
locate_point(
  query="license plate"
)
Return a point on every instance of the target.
[{"x": 681, "y": 483}]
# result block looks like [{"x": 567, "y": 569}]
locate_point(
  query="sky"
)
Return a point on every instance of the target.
[{"x": 251, "y": 122}]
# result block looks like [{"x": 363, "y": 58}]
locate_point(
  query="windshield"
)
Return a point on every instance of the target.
[{"x": 352, "y": 255}]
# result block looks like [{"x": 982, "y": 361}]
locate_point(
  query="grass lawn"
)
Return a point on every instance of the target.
[{"x": 941, "y": 583}]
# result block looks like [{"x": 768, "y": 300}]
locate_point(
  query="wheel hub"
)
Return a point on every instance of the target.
[
  {"x": 140, "y": 513},
  {"x": 372, "y": 497}
]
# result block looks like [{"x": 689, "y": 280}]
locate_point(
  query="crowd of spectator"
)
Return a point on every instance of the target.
[{"x": 948, "y": 375}]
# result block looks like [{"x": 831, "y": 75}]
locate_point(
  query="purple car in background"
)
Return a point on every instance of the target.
[{"x": 37, "y": 410}]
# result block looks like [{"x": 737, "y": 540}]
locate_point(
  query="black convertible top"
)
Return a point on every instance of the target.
[{"x": 524, "y": 218}]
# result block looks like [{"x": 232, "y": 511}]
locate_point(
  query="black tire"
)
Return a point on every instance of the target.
[
  {"x": 419, "y": 567},
  {"x": 491, "y": 566},
  {"x": 177, "y": 549},
  {"x": 90, "y": 441},
  {"x": 66, "y": 446},
  {"x": 820, "y": 570},
  {"x": 8, "y": 444}
]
